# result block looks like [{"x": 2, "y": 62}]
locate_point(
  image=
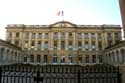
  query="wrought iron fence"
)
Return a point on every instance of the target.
[{"x": 59, "y": 74}]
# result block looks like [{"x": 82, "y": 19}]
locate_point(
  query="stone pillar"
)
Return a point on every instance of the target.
[
  {"x": 96, "y": 41},
  {"x": 59, "y": 41},
  {"x": 36, "y": 40},
  {"x": 75, "y": 45},
  {"x": 43, "y": 40},
  {"x": 29, "y": 46},
  {"x": 90, "y": 41},
  {"x": 66, "y": 41},
  {"x": 113, "y": 38},
  {"x": 83, "y": 43}
]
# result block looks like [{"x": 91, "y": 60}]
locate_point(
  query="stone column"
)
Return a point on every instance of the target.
[
  {"x": 66, "y": 41},
  {"x": 90, "y": 41},
  {"x": 83, "y": 43},
  {"x": 75, "y": 46},
  {"x": 59, "y": 41},
  {"x": 96, "y": 41},
  {"x": 113, "y": 38},
  {"x": 29, "y": 46},
  {"x": 43, "y": 39},
  {"x": 36, "y": 40}
]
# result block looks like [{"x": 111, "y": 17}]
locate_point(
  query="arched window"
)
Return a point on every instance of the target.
[
  {"x": 45, "y": 58},
  {"x": 38, "y": 58},
  {"x": 55, "y": 58},
  {"x": 79, "y": 58},
  {"x": 87, "y": 59},
  {"x": 62, "y": 59},
  {"x": 70, "y": 59},
  {"x": 31, "y": 58}
]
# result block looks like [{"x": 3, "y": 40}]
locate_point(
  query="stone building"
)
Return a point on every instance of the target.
[
  {"x": 9, "y": 53},
  {"x": 63, "y": 42}
]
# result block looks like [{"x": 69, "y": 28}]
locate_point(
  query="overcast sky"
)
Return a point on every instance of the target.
[{"x": 45, "y": 12}]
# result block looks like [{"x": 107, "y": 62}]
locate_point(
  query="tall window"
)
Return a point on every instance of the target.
[
  {"x": 26, "y": 35},
  {"x": 87, "y": 58},
  {"x": 93, "y": 35},
  {"x": 70, "y": 34},
  {"x": 40, "y": 35},
  {"x": 93, "y": 45},
  {"x": 46, "y": 45},
  {"x": 63, "y": 35},
  {"x": 117, "y": 39},
  {"x": 38, "y": 58},
  {"x": 46, "y": 35},
  {"x": 55, "y": 44},
  {"x": 25, "y": 59},
  {"x": 17, "y": 42},
  {"x": 99, "y": 36},
  {"x": 31, "y": 58},
  {"x": 86, "y": 45},
  {"x": 79, "y": 35},
  {"x": 45, "y": 58},
  {"x": 79, "y": 58},
  {"x": 26, "y": 44},
  {"x": 86, "y": 36},
  {"x": 33, "y": 36},
  {"x": 55, "y": 58},
  {"x": 9, "y": 35},
  {"x": 55, "y": 35},
  {"x": 17, "y": 34},
  {"x": 70, "y": 59},
  {"x": 32, "y": 43},
  {"x": 70, "y": 45},
  {"x": 79, "y": 45},
  {"x": 100, "y": 45},
  {"x": 63, "y": 59},
  {"x": 100, "y": 58},
  {"x": 93, "y": 58},
  {"x": 62, "y": 44},
  {"x": 109, "y": 37},
  {"x": 39, "y": 45}
]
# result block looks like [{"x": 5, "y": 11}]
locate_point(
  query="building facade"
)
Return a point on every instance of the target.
[{"x": 63, "y": 42}]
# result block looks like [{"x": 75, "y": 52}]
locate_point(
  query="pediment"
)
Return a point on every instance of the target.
[{"x": 63, "y": 24}]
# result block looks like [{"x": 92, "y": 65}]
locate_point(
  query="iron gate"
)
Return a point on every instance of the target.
[{"x": 21, "y": 73}]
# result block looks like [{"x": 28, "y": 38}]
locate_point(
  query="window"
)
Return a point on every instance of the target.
[
  {"x": 46, "y": 45},
  {"x": 40, "y": 35},
  {"x": 46, "y": 35},
  {"x": 63, "y": 59},
  {"x": 79, "y": 58},
  {"x": 62, "y": 44},
  {"x": 86, "y": 45},
  {"x": 100, "y": 45},
  {"x": 70, "y": 59},
  {"x": 55, "y": 58},
  {"x": 55, "y": 44},
  {"x": 26, "y": 44},
  {"x": 117, "y": 39},
  {"x": 33, "y": 36},
  {"x": 39, "y": 45},
  {"x": 79, "y": 35},
  {"x": 70, "y": 34},
  {"x": 93, "y": 58},
  {"x": 99, "y": 35},
  {"x": 87, "y": 59},
  {"x": 63, "y": 35},
  {"x": 55, "y": 35},
  {"x": 38, "y": 58},
  {"x": 45, "y": 58},
  {"x": 70, "y": 45},
  {"x": 79, "y": 45},
  {"x": 100, "y": 58},
  {"x": 93, "y": 45},
  {"x": 93, "y": 35},
  {"x": 31, "y": 58},
  {"x": 32, "y": 43},
  {"x": 26, "y": 35},
  {"x": 109, "y": 37},
  {"x": 86, "y": 36},
  {"x": 25, "y": 59},
  {"x": 17, "y": 42},
  {"x": 17, "y": 34},
  {"x": 109, "y": 42}
]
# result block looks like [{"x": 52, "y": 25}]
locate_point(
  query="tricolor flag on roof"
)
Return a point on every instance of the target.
[{"x": 60, "y": 13}]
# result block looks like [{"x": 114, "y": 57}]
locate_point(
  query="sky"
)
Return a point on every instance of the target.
[{"x": 92, "y": 12}]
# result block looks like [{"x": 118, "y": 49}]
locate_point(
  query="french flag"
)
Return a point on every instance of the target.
[{"x": 60, "y": 13}]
